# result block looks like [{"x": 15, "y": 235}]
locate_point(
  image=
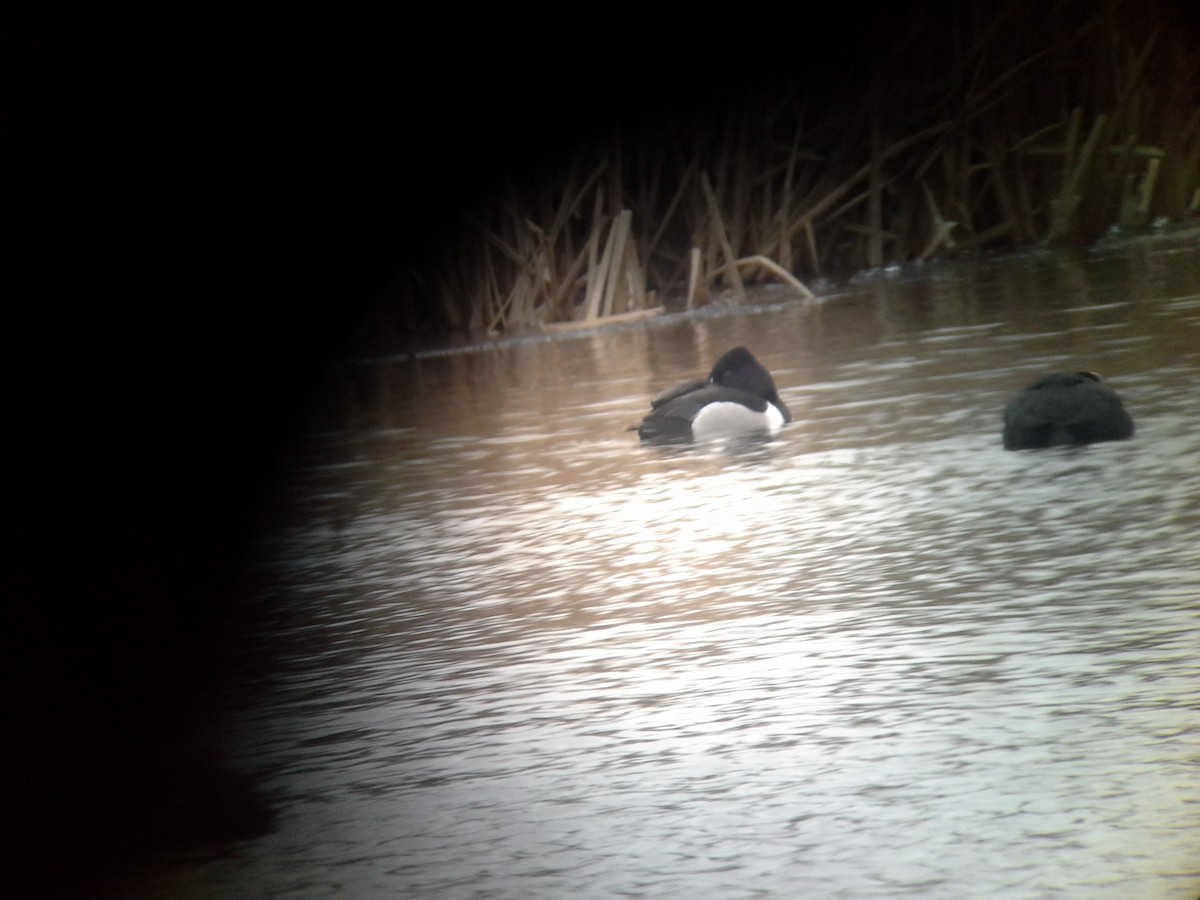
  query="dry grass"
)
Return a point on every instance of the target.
[{"x": 1018, "y": 137}]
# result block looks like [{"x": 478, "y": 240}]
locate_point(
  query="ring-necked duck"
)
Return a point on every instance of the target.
[
  {"x": 739, "y": 395},
  {"x": 1065, "y": 408}
]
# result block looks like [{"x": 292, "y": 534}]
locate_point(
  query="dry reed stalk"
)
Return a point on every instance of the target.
[
  {"x": 560, "y": 286},
  {"x": 502, "y": 311},
  {"x": 718, "y": 230},
  {"x": 568, "y": 209},
  {"x": 941, "y": 227},
  {"x": 810, "y": 244},
  {"x": 636, "y": 315},
  {"x": 618, "y": 236},
  {"x": 595, "y": 278},
  {"x": 964, "y": 203},
  {"x": 526, "y": 287},
  {"x": 665, "y": 220},
  {"x": 617, "y": 296},
  {"x": 1078, "y": 168},
  {"x": 996, "y": 154},
  {"x": 697, "y": 294},
  {"x": 981, "y": 239},
  {"x": 605, "y": 277},
  {"x": 771, "y": 266},
  {"x": 634, "y": 280},
  {"x": 591, "y": 290},
  {"x": 1137, "y": 194},
  {"x": 570, "y": 278},
  {"x": 837, "y": 193},
  {"x": 778, "y": 221},
  {"x": 534, "y": 255},
  {"x": 501, "y": 244}
]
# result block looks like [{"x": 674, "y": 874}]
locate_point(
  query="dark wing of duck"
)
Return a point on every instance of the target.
[
  {"x": 1064, "y": 408},
  {"x": 671, "y": 418},
  {"x": 679, "y": 390}
]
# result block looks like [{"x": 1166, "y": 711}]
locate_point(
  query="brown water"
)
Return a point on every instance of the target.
[{"x": 875, "y": 656}]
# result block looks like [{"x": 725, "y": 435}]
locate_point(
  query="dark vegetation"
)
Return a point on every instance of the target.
[{"x": 955, "y": 128}]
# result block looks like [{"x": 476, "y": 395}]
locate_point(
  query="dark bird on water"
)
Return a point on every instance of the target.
[
  {"x": 738, "y": 396},
  {"x": 1065, "y": 408}
]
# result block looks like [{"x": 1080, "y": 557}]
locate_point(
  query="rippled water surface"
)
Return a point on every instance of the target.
[{"x": 520, "y": 655}]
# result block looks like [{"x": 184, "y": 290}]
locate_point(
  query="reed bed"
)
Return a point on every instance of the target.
[{"x": 979, "y": 133}]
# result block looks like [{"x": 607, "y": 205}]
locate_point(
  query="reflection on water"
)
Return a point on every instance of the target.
[{"x": 523, "y": 655}]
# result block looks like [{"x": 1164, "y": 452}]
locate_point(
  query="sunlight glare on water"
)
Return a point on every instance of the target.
[{"x": 518, "y": 654}]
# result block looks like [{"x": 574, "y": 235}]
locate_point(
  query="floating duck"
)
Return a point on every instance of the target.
[
  {"x": 739, "y": 396},
  {"x": 1065, "y": 408}
]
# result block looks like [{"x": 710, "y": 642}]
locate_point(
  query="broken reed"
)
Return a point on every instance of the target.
[{"x": 1010, "y": 143}]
